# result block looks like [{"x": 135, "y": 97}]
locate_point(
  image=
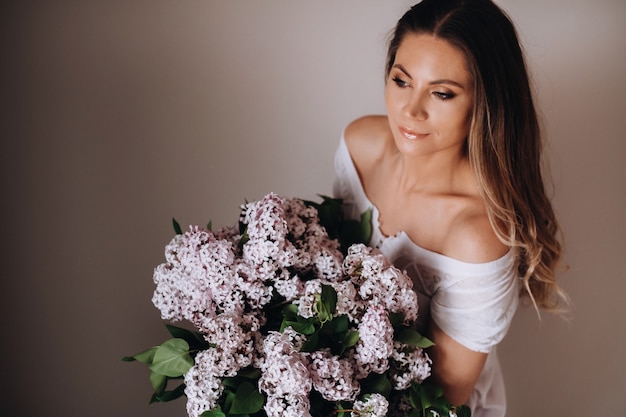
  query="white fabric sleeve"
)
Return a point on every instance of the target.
[{"x": 476, "y": 311}]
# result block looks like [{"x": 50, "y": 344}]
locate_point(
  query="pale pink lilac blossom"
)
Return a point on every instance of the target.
[
  {"x": 265, "y": 218},
  {"x": 203, "y": 387},
  {"x": 284, "y": 378},
  {"x": 375, "y": 343},
  {"x": 285, "y": 233},
  {"x": 379, "y": 282},
  {"x": 333, "y": 377},
  {"x": 222, "y": 284},
  {"x": 348, "y": 302},
  {"x": 197, "y": 275}
]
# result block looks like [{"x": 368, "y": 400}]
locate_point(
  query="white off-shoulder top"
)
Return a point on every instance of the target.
[{"x": 473, "y": 303}]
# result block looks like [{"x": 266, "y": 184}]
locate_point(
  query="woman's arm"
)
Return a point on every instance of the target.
[{"x": 455, "y": 367}]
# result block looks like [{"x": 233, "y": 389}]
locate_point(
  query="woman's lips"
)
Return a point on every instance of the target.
[{"x": 411, "y": 134}]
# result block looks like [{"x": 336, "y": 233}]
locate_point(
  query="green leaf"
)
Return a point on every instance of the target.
[
  {"x": 250, "y": 373},
  {"x": 350, "y": 339},
  {"x": 366, "y": 226},
  {"x": 396, "y": 319},
  {"x": 144, "y": 357},
  {"x": 338, "y": 326},
  {"x": 158, "y": 382},
  {"x": 298, "y": 323},
  {"x": 312, "y": 343},
  {"x": 194, "y": 339},
  {"x": 290, "y": 314},
  {"x": 228, "y": 399},
  {"x": 172, "y": 358},
  {"x": 247, "y": 400},
  {"x": 230, "y": 382},
  {"x": 301, "y": 327},
  {"x": 209, "y": 225},
  {"x": 376, "y": 383},
  {"x": 346, "y": 231},
  {"x": 414, "y": 398},
  {"x": 327, "y": 303},
  {"x": 177, "y": 392},
  {"x": 328, "y": 218},
  {"x": 243, "y": 239},
  {"x": 214, "y": 413},
  {"x": 290, "y": 311},
  {"x": 329, "y": 297},
  {"x": 425, "y": 395},
  {"x": 441, "y": 404},
  {"x": 177, "y": 228},
  {"x": 413, "y": 338},
  {"x": 463, "y": 411},
  {"x": 330, "y": 215}
]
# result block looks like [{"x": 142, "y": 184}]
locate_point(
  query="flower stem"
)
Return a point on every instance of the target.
[{"x": 346, "y": 410}]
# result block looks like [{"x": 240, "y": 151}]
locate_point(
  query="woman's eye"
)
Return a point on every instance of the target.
[
  {"x": 400, "y": 82},
  {"x": 443, "y": 96}
]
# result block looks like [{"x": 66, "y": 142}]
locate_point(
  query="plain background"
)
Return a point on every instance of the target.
[{"x": 118, "y": 115}]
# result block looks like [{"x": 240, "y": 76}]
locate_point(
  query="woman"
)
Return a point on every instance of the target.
[{"x": 453, "y": 175}]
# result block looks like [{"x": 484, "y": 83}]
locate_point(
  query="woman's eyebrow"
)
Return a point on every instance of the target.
[
  {"x": 401, "y": 68},
  {"x": 446, "y": 81},
  {"x": 435, "y": 82}
]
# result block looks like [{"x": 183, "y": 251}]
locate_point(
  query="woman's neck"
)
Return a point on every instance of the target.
[{"x": 441, "y": 173}]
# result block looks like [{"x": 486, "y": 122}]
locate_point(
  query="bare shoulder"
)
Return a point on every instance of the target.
[
  {"x": 367, "y": 138},
  {"x": 471, "y": 237}
]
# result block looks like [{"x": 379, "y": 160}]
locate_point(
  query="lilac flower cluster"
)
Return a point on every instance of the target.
[
  {"x": 375, "y": 406},
  {"x": 224, "y": 282},
  {"x": 284, "y": 375}
]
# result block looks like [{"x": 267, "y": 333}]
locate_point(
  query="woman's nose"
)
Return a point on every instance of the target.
[{"x": 416, "y": 107}]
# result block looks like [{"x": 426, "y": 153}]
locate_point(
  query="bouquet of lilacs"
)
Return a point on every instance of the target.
[{"x": 291, "y": 315}]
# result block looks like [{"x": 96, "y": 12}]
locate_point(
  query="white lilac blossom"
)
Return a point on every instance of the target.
[
  {"x": 306, "y": 303},
  {"x": 287, "y": 406},
  {"x": 375, "y": 343},
  {"x": 375, "y": 406},
  {"x": 203, "y": 387},
  {"x": 408, "y": 364},
  {"x": 328, "y": 264}
]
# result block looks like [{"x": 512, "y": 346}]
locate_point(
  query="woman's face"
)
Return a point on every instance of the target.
[{"x": 429, "y": 96}]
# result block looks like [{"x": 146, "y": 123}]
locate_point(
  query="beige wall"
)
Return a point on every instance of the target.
[{"x": 124, "y": 114}]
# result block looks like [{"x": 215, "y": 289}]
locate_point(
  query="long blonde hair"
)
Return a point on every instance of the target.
[{"x": 504, "y": 142}]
